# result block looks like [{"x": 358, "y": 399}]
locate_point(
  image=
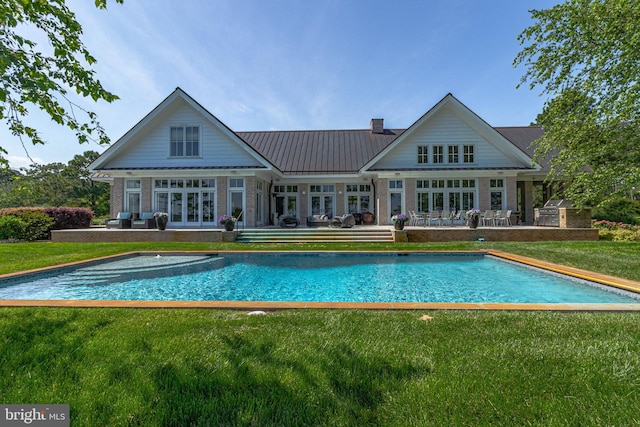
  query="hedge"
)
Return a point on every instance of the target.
[{"x": 40, "y": 221}]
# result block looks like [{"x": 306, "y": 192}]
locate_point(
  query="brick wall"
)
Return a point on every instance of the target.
[
  {"x": 575, "y": 218},
  {"x": 117, "y": 196}
]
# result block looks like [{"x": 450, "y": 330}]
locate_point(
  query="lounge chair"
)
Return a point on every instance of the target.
[
  {"x": 146, "y": 221},
  {"x": 318, "y": 220},
  {"x": 123, "y": 220},
  {"x": 288, "y": 221},
  {"x": 344, "y": 221}
]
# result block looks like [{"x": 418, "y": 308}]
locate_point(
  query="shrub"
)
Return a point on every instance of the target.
[
  {"x": 65, "y": 218},
  {"x": 37, "y": 223},
  {"x": 618, "y": 210},
  {"x": 12, "y": 228},
  {"x": 40, "y": 221},
  {"x": 610, "y": 225},
  {"x": 619, "y": 235}
]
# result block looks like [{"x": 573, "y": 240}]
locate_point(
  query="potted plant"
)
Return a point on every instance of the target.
[
  {"x": 161, "y": 220},
  {"x": 399, "y": 220},
  {"x": 227, "y": 221},
  {"x": 473, "y": 217}
]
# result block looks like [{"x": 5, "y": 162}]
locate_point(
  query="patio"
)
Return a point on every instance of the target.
[{"x": 412, "y": 234}]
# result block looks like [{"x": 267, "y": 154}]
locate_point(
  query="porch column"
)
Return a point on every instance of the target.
[
  {"x": 303, "y": 209},
  {"x": 341, "y": 194},
  {"x": 410, "y": 195},
  {"x": 222, "y": 196},
  {"x": 528, "y": 203},
  {"x": 117, "y": 196},
  {"x": 511, "y": 190},
  {"x": 249, "y": 216},
  {"x": 382, "y": 211},
  {"x": 146, "y": 198},
  {"x": 484, "y": 194}
]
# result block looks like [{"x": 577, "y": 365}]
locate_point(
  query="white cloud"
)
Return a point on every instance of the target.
[{"x": 17, "y": 162}]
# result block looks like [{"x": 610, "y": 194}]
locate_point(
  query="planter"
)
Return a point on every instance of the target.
[
  {"x": 368, "y": 218},
  {"x": 473, "y": 221},
  {"x": 161, "y": 223},
  {"x": 228, "y": 226},
  {"x": 399, "y": 225}
]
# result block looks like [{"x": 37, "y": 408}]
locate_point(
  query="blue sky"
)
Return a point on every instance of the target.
[{"x": 285, "y": 64}]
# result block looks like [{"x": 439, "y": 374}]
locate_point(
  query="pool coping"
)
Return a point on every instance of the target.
[{"x": 624, "y": 284}]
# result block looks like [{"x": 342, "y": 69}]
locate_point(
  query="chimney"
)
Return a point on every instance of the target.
[{"x": 377, "y": 125}]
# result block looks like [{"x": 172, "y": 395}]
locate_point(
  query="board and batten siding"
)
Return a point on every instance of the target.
[
  {"x": 150, "y": 148},
  {"x": 447, "y": 127}
]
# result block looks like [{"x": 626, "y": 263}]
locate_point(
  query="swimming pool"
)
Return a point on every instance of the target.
[{"x": 312, "y": 277}]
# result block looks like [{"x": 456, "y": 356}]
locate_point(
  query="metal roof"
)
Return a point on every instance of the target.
[
  {"x": 321, "y": 151},
  {"x": 317, "y": 152}
]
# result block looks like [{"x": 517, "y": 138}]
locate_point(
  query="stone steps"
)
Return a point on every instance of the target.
[{"x": 307, "y": 235}]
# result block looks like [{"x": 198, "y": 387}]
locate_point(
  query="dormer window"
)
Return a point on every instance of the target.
[{"x": 185, "y": 141}]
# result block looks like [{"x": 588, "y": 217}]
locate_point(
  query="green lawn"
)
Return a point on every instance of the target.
[{"x": 324, "y": 367}]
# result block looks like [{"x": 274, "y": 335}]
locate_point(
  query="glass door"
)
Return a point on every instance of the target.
[
  {"x": 236, "y": 199},
  {"x": 208, "y": 207},
  {"x": 175, "y": 214},
  {"x": 322, "y": 205},
  {"x": 395, "y": 203},
  {"x": 193, "y": 208}
]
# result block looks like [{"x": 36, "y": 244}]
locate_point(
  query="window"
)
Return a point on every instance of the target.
[
  {"x": 325, "y": 188},
  {"x": 453, "y": 154},
  {"x": 187, "y": 201},
  {"x": 395, "y": 184},
  {"x": 438, "y": 154},
  {"x": 132, "y": 197},
  {"x": 468, "y": 154},
  {"x": 423, "y": 154},
  {"x": 358, "y": 198},
  {"x": 497, "y": 194},
  {"x": 185, "y": 141},
  {"x": 236, "y": 183},
  {"x": 440, "y": 194}
]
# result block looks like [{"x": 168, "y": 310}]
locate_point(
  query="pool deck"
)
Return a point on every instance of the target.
[{"x": 628, "y": 285}]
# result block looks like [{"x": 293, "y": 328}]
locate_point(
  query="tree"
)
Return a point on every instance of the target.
[
  {"x": 31, "y": 77},
  {"x": 85, "y": 191},
  {"x": 585, "y": 56},
  {"x": 55, "y": 184}
]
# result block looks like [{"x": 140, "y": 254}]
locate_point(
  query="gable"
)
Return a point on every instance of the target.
[
  {"x": 147, "y": 145},
  {"x": 450, "y": 123}
]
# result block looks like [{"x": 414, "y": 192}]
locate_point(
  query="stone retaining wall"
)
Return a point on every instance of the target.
[
  {"x": 132, "y": 235},
  {"x": 506, "y": 234}
]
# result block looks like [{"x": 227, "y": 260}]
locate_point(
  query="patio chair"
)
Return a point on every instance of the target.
[
  {"x": 146, "y": 221},
  {"x": 434, "y": 217},
  {"x": 344, "y": 221},
  {"x": 318, "y": 220},
  {"x": 446, "y": 217},
  {"x": 487, "y": 218},
  {"x": 503, "y": 218},
  {"x": 458, "y": 218},
  {"x": 288, "y": 221},
  {"x": 123, "y": 220},
  {"x": 416, "y": 219}
]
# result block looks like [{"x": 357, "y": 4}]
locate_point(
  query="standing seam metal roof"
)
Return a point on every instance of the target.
[
  {"x": 308, "y": 152},
  {"x": 312, "y": 152}
]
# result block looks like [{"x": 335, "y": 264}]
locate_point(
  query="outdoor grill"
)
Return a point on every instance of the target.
[{"x": 549, "y": 215}]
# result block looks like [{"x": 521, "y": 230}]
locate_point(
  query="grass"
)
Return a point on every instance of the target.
[
  {"x": 322, "y": 367},
  {"x": 314, "y": 367}
]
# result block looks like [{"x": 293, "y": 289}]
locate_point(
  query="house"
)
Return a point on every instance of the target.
[{"x": 182, "y": 160}]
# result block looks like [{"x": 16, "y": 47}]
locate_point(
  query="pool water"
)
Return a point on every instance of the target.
[{"x": 313, "y": 277}]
